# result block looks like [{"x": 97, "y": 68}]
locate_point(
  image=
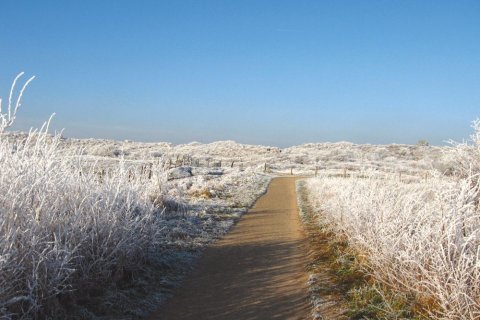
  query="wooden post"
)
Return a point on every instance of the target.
[
  {"x": 291, "y": 171},
  {"x": 316, "y": 171},
  {"x": 265, "y": 167},
  {"x": 150, "y": 170},
  {"x": 344, "y": 172}
]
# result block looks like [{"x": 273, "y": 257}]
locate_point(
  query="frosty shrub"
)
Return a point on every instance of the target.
[
  {"x": 466, "y": 155},
  {"x": 74, "y": 222},
  {"x": 420, "y": 238},
  {"x": 65, "y": 227}
]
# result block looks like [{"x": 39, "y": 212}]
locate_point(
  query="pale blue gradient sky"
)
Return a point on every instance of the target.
[{"x": 267, "y": 72}]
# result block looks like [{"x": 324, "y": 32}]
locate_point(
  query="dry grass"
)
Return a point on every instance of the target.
[
  {"x": 419, "y": 240},
  {"x": 79, "y": 235}
]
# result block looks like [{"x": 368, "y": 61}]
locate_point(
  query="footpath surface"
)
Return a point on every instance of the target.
[{"x": 256, "y": 272}]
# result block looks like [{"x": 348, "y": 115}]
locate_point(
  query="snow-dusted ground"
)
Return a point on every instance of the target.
[
  {"x": 200, "y": 205},
  {"x": 302, "y": 159}
]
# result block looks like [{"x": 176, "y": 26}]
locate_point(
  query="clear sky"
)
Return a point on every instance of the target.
[{"x": 264, "y": 72}]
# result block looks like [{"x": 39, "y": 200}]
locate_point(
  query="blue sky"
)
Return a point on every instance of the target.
[{"x": 264, "y": 72}]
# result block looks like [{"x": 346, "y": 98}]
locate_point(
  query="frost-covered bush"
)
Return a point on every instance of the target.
[
  {"x": 466, "y": 155},
  {"x": 421, "y": 238},
  {"x": 77, "y": 225},
  {"x": 65, "y": 228}
]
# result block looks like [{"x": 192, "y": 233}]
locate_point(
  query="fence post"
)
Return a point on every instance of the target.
[
  {"x": 344, "y": 172},
  {"x": 150, "y": 170}
]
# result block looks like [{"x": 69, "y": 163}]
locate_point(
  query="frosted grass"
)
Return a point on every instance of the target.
[
  {"x": 421, "y": 237},
  {"x": 70, "y": 224}
]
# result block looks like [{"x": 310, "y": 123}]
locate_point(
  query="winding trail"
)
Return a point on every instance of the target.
[{"x": 256, "y": 272}]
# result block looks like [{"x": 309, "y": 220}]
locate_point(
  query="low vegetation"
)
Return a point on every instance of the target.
[
  {"x": 120, "y": 222},
  {"x": 417, "y": 239},
  {"x": 76, "y": 233}
]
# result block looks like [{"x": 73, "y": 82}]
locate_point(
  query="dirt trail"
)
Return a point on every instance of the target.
[{"x": 257, "y": 271}]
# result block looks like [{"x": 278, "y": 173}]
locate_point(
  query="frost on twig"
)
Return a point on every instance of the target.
[{"x": 7, "y": 118}]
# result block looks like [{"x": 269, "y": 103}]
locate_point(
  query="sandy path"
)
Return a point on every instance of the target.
[{"x": 257, "y": 271}]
